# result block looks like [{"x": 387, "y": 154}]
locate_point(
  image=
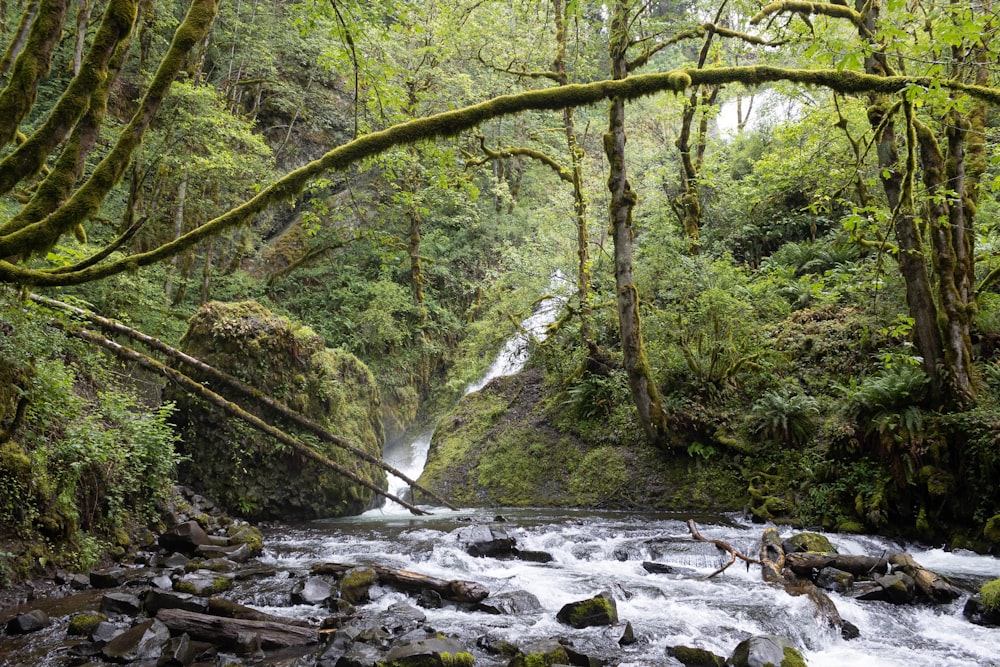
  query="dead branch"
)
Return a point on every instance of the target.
[{"x": 724, "y": 546}]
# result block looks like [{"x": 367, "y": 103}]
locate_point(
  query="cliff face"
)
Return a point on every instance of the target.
[{"x": 251, "y": 474}]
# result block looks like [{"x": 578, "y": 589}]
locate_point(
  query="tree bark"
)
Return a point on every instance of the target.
[
  {"x": 457, "y": 590},
  {"x": 644, "y": 392},
  {"x": 223, "y": 631}
]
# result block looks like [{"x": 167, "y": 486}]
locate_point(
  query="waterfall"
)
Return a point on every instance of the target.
[{"x": 410, "y": 456}]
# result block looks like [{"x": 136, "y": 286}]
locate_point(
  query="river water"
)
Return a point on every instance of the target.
[{"x": 598, "y": 551}]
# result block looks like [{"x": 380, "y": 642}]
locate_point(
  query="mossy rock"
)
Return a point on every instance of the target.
[
  {"x": 695, "y": 657},
  {"x": 541, "y": 654},
  {"x": 990, "y": 595},
  {"x": 84, "y": 623},
  {"x": 251, "y": 474},
  {"x": 811, "y": 542},
  {"x": 598, "y": 610},
  {"x": 991, "y": 531}
]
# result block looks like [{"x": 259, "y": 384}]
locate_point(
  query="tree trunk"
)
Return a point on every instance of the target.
[
  {"x": 227, "y": 631},
  {"x": 174, "y": 267},
  {"x": 623, "y": 199},
  {"x": 82, "y": 20}
]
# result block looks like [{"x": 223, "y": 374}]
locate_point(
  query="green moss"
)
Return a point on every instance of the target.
[
  {"x": 84, "y": 623},
  {"x": 792, "y": 658},
  {"x": 990, "y": 594},
  {"x": 812, "y": 542},
  {"x": 462, "y": 659},
  {"x": 853, "y": 527},
  {"x": 991, "y": 531},
  {"x": 699, "y": 657}
]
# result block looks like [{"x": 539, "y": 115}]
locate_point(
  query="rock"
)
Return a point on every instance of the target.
[
  {"x": 401, "y": 618},
  {"x": 435, "y": 652},
  {"x": 486, "y": 541},
  {"x": 628, "y": 636},
  {"x": 832, "y": 579},
  {"x": 178, "y": 652},
  {"x": 244, "y": 533},
  {"x": 690, "y": 656},
  {"x": 429, "y": 599},
  {"x": 158, "y": 598},
  {"x": 203, "y": 583},
  {"x": 313, "y": 590},
  {"x": 899, "y": 588},
  {"x": 105, "y": 632},
  {"x": 977, "y": 613},
  {"x": 120, "y": 603},
  {"x": 496, "y": 646},
  {"x": 656, "y": 568},
  {"x": 765, "y": 651},
  {"x": 238, "y": 553},
  {"x": 84, "y": 623},
  {"x": 175, "y": 561},
  {"x": 112, "y": 578},
  {"x": 356, "y": 584},
  {"x": 510, "y": 603},
  {"x": 546, "y": 652},
  {"x": 808, "y": 542},
  {"x": 848, "y": 630},
  {"x": 161, "y": 581},
  {"x": 360, "y": 655},
  {"x": 532, "y": 556},
  {"x": 621, "y": 555},
  {"x": 184, "y": 538},
  {"x": 33, "y": 621},
  {"x": 598, "y": 610},
  {"x": 79, "y": 582},
  {"x": 144, "y": 641}
]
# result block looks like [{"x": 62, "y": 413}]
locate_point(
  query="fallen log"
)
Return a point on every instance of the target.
[
  {"x": 229, "y": 609},
  {"x": 772, "y": 556},
  {"x": 931, "y": 584},
  {"x": 805, "y": 564},
  {"x": 456, "y": 590},
  {"x": 226, "y": 632}
]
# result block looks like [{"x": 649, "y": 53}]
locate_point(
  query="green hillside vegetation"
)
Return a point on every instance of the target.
[{"x": 779, "y": 222}]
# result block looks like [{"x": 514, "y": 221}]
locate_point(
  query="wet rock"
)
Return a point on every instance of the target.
[
  {"x": 510, "y": 603},
  {"x": 313, "y": 590},
  {"x": 486, "y": 541},
  {"x": 496, "y": 646},
  {"x": 33, "y": 621},
  {"x": 899, "y": 588},
  {"x": 161, "y": 581},
  {"x": 120, "y": 603},
  {"x": 628, "y": 636},
  {"x": 832, "y": 579},
  {"x": 178, "y": 652},
  {"x": 533, "y": 556},
  {"x": 360, "y": 655},
  {"x": 434, "y": 652},
  {"x": 158, "y": 598},
  {"x": 598, "y": 610},
  {"x": 84, "y": 623},
  {"x": 764, "y": 650},
  {"x": 79, "y": 582},
  {"x": 144, "y": 641},
  {"x": 203, "y": 583},
  {"x": 690, "y": 656},
  {"x": 356, "y": 584},
  {"x": 184, "y": 538},
  {"x": 241, "y": 533},
  {"x": 808, "y": 542},
  {"x": 656, "y": 568},
  {"x": 429, "y": 599},
  {"x": 238, "y": 553},
  {"x": 620, "y": 554},
  {"x": 848, "y": 630},
  {"x": 175, "y": 561},
  {"x": 112, "y": 578},
  {"x": 105, "y": 632},
  {"x": 546, "y": 652},
  {"x": 401, "y": 618},
  {"x": 979, "y": 614}
]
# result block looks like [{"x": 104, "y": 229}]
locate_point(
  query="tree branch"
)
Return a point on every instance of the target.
[
  {"x": 733, "y": 553},
  {"x": 509, "y": 151}
]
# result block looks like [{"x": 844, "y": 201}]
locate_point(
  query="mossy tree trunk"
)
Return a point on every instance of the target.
[{"x": 623, "y": 200}]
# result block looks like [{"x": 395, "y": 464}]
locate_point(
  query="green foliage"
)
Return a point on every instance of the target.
[
  {"x": 784, "y": 416},
  {"x": 600, "y": 476}
]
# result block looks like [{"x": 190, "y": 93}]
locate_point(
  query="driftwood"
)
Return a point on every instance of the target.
[
  {"x": 229, "y": 609},
  {"x": 806, "y": 564},
  {"x": 227, "y": 631},
  {"x": 456, "y": 590},
  {"x": 931, "y": 584},
  {"x": 215, "y": 399},
  {"x": 772, "y": 556},
  {"x": 238, "y": 386},
  {"x": 723, "y": 546}
]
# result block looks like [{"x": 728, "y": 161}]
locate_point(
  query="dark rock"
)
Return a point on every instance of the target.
[
  {"x": 848, "y": 630},
  {"x": 429, "y": 599},
  {"x": 434, "y": 652},
  {"x": 144, "y": 641},
  {"x": 510, "y": 603},
  {"x": 690, "y": 656},
  {"x": 105, "y": 632},
  {"x": 239, "y": 553},
  {"x": 184, "y": 538},
  {"x": 360, "y": 655},
  {"x": 312, "y": 590},
  {"x": 401, "y": 618},
  {"x": 628, "y": 636},
  {"x": 656, "y": 568},
  {"x": 496, "y": 646},
  {"x": 832, "y": 579},
  {"x": 620, "y": 554},
  {"x": 764, "y": 650},
  {"x": 79, "y": 582},
  {"x": 112, "y": 578},
  {"x": 157, "y": 599},
  {"x": 579, "y": 657},
  {"x": 899, "y": 588},
  {"x": 977, "y": 613},
  {"x": 486, "y": 541},
  {"x": 33, "y": 621},
  {"x": 178, "y": 652},
  {"x": 598, "y": 610},
  {"x": 84, "y": 623},
  {"x": 203, "y": 583},
  {"x": 120, "y": 603},
  {"x": 175, "y": 561},
  {"x": 532, "y": 556}
]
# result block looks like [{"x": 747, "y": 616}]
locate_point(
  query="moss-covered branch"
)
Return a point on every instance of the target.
[
  {"x": 830, "y": 9},
  {"x": 698, "y": 32},
  {"x": 17, "y": 98},
  {"x": 210, "y": 396},
  {"x": 445, "y": 124},
  {"x": 510, "y": 151},
  {"x": 28, "y": 158}
]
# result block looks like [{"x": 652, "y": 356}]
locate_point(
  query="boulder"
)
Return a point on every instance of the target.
[
  {"x": 808, "y": 542},
  {"x": 628, "y": 636},
  {"x": 541, "y": 654},
  {"x": 690, "y": 656},
  {"x": 511, "y": 603},
  {"x": 656, "y": 568},
  {"x": 434, "y": 652},
  {"x": 84, "y": 623},
  {"x": 532, "y": 556},
  {"x": 312, "y": 590},
  {"x": 832, "y": 579},
  {"x": 766, "y": 651},
  {"x": 144, "y": 641},
  {"x": 356, "y": 584},
  {"x": 899, "y": 588},
  {"x": 110, "y": 578},
  {"x": 158, "y": 598},
  {"x": 977, "y": 613},
  {"x": 184, "y": 538},
  {"x": 249, "y": 473},
  {"x": 486, "y": 541},
  {"x": 33, "y": 621},
  {"x": 120, "y": 603},
  {"x": 598, "y": 610},
  {"x": 203, "y": 583},
  {"x": 178, "y": 652}
]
